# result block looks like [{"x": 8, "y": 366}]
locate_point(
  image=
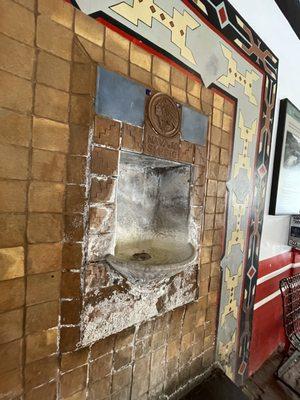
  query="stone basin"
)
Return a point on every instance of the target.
[{"x": 151, "y": 261}]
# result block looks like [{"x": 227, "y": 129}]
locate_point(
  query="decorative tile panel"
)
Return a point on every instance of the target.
[
  {"x": 120, "y": 98},
  {"x": 194, "y": 126}
]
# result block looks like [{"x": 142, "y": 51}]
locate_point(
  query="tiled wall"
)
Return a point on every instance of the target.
[{"x": 45, "y": 100}]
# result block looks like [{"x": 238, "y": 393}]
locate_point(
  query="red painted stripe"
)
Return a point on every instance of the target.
[
  {"x": 267, "y": 333},
  {"x": 274, "y": 263},
  {"x": 270, "y": 286},
  {"x": 296, "y": 256}
]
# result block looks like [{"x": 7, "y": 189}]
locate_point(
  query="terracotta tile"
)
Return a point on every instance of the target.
[
  {"x": 132, "y": 138},
  {"x": 11, "y": 325},
  {"x": 224, "y": 157},
  {"x": 104, "y": 161},
  {"x": 218, "y": 101},
  {"x": 15, "y": 128},
  {"x": 44, "y": 257},
  {"x": 219, "y": 221},
  {"x": 178, "y": 78},
  {"x": 12, "y": 230},
  {"x": 140, "y": 75},
  {"x": 75, "y": 198},
  {"x": 70, "y": 286},
  {"x": 11, "y": 384},
  {"x": 207, "y": 95},
  {"x": 161, "y": 85},
  {"x": 100, "y": 390},
  {"x": 102, "y": 347},
  {"x": 221, "y": 189},
  {"x": 12, "y": 196},
  {"x": 229, "y": 108},
  {"x": 214, "y": 153},
  {"x": 46, "y": 197},
  {"x": 161, "y": 68},
  {"x": 194, "y": 87},
  {"x": 140, "y": 57},
  {"x": 41, "y": 345},
  {"x": 12, "y": 294},
  {"x": 102, "y": 219},
  {"x": 103, "y": 190},
  {"x": 225, "y": 140},
  {"x": 157, "y": 366},
  {"x": 57, "y": 109},
  {"x": 116, "y": 63},
  {"x": 41, "y": 371},
  {"x": 80, "y": 113},
  {"x": 74, "y": 359},
  {"x": 217, "y": 118},
  {"x": 83, "y": 78},
  {"x": 48, "y": 166},
  {"x": 74, "y": 230},
  {"x": 27, "y": 3},
  {"x": 212, "y": 187},
  {"x": 227, "y": 123},
  {"x": 122, "y": 357},
  {"x": 213, "y": 170},
  {"x": 50, "y": 135},
  {"x": 16, "y": 57},
  {"x": 107, "y": 132},
  {"x": 72, "y": 255},
  {"x": 121, "y": 379},
  {"x": 178, "y": 94},
  {"x": 47, "y": 391},
  {"x": 101, "y": 367},
  {"x": 53, "y": 71},
  {"x": 117, "y": 44},
  {"x": 18, "y": 22},
  {"x": 76, "y": 169},
  {"x": 54, "y": 38},
  {"x": 69, "y": 338},
  {"x": 95, "y": 52},
  {"x": 11, "y": 356},
  {"x": 70, "y": 312},
  {"x": 200, "y": 155},
  {"x": 89, "y": 29},
  {"x": 194, "y": 102},
  {"x": 73, "y": 381},
  {"x": 124, "y": 338},
  {"x": 216, "y": 134},
  {"x": 186, "y": 152},
  {"x": 62, "y": 13},
  {"x": 43, "y": 287},
  {"x": 41, "y": 316},
  {"x": 14, "y": 162},
  {"x": 11, "y": 263},
  {"x": 78, "y": 139},
  {"x": 44, "y": 228}
]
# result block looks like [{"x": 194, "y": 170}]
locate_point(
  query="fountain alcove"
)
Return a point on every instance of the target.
[
  {"x": 144, "y": 217},
  {"x": 153, "y": 236}
]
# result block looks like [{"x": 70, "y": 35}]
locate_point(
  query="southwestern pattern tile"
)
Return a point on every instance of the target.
[{"x": 237, "y": 62}]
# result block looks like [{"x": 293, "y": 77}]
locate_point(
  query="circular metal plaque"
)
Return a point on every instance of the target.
[{"x": 164, "y": 115}]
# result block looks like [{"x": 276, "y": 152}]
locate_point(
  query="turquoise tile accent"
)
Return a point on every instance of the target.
[
  {"x": 120, "y": 98},
  {"x": 194, "y": 126}
]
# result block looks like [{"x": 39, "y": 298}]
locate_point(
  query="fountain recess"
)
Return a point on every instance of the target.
[{"x": 152, "y": 234}]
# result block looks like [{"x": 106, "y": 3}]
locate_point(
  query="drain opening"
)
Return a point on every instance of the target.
[{"x": 141, "y": 256}]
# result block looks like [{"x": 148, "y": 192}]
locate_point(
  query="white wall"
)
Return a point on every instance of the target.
[{"x": 270, "y": 24}]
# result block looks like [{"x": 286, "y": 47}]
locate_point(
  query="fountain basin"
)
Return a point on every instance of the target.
[{"x": 151, "y": 261}]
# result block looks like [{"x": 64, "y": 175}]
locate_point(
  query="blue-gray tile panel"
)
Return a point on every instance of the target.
[
  {"x": 120, "y": 98},
  {"x": 194, "y": 126}
]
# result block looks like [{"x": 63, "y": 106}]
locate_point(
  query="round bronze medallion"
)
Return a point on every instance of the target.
[{"x": 164, "y": 115}]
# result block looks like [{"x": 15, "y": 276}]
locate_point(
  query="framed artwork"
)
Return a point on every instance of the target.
[{"x": 285, "y": 192}]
